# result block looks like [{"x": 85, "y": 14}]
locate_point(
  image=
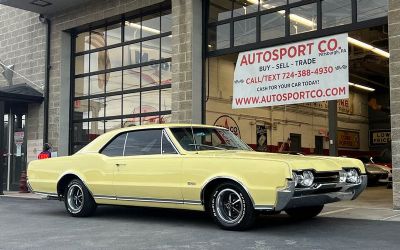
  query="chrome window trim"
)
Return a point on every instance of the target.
[
  {"x": 164, "y": 132},
  {"x": 126, "y": 138}
]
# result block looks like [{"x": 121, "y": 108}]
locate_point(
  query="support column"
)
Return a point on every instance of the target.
[
  {"x": 394, "y": 72},
  {"x": 332, "y": 120},
  {"x": 186, "y": 61},
  {"x": 2, "y": 146}
]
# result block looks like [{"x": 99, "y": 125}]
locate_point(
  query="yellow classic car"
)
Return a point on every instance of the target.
[{"x": 195, "y": 167}]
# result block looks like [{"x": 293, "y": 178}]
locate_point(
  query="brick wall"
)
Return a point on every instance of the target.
[
  {"x": 23, "y": 44},
  {"x": 182, "y": 61},
  {"x": 394, "y": 70}
]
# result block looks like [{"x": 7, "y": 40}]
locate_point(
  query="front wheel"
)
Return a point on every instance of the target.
[
  {"x": 231, "y": 207},
  {"x": 78, "y": 200},
  {"x": 304, "y": 212}
]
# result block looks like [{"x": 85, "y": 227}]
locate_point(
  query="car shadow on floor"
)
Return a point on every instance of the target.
[{"x": 264, "y": 223}]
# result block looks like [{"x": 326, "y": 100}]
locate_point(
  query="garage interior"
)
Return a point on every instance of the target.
[
  {"x": 363, "y": 119},
  {"x": 371, "y": 69}
]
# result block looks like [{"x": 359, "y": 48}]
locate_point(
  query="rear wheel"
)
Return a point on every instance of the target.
[
  {"x": 304, "y": 212},
  {"x": 78, "y": 200},
  {"x": 231, "y": 207}
]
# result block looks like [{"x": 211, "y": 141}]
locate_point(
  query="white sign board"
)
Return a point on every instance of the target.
[
  {"x": 308, "y": 71},
  {"x": 19, "y": 137},
  {"x": 34, "y": 147}
]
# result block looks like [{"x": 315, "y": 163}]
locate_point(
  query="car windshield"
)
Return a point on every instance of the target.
[
  {"x": 380, "y": 159},
  {"x": 195, "y": 139}
]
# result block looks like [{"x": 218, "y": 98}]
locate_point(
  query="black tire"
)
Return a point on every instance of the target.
[
  {"x": 302, "y": 213},
  {"x": 227, "y": 216},
  {"x": 83, "y": 207}
]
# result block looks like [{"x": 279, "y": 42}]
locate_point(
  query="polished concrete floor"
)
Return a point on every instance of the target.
[
  {"x": 42, "y": 224},
  {"x": 375, "y": 203}
]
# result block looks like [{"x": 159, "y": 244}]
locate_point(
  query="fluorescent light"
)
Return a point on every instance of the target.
[
  {"x": 137, "y": 26},
  {"x": 361, "y": 87},
  {"x": 302, "y": 20},
  {"x": 368, "y": 47}
]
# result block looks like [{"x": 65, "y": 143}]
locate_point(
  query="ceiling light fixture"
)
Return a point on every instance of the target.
[
  {"x": 368, "y": 47},
  {"x": 138, "y": 26},
  {"x": 361, "y": 87}
]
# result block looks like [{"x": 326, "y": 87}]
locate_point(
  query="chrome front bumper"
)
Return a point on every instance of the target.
[{"x": 318, "y": 194}]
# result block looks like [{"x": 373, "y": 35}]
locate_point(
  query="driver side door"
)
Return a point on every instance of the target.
[{"x": 149, "y": 170}]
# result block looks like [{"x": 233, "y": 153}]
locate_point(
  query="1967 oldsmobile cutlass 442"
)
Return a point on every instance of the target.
[{"x": 194, "y": 167}]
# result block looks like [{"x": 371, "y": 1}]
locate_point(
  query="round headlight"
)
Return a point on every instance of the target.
[
  {"x": 352, "y": 176},
  {"x": 307, "y": 179}
]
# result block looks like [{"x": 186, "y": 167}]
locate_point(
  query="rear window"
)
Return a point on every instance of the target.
[{"x": 116, "y": 146}]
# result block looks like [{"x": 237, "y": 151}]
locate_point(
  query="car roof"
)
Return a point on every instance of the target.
[
  {"x": 165, "y": 125},
  {"x": 99, "y": 142}
]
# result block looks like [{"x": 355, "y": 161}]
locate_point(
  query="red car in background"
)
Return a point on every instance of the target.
[
  {"x": 380, "y": 160},
  {"x": 378, "y": 169}
]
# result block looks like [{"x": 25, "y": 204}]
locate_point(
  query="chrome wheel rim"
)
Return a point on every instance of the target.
[
  {"x": 75, "y": 198},
  {"x": 229, "y": 206}
]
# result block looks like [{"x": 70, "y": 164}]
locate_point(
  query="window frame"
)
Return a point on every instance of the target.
[
  {"x": 110, "y": 141},
  {"x": 162, "y": 11},
  {"x": 164, "y": 133},
  {"x": 287, "y": 38}
]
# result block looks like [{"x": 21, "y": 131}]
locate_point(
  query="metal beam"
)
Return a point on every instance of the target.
[
  {"x": 2, "y": 146},
  {"x": 332, "y": 120}
]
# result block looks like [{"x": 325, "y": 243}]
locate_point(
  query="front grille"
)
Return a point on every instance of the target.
[{"x": 326, "y": 177}]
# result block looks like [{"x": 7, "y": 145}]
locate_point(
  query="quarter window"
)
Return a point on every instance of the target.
[
  {"x": 144, "y": 142},
  {"x": 167, "y": 147},
  {"x": 116, "y": 147}
]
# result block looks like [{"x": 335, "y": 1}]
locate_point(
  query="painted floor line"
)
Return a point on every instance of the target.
[
  {"x": 390, "y": 217},
  {"x": 336, "y": 211},
  {"x": 364, "y": 207}
]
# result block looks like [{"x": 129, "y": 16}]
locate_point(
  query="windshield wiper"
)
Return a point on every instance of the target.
[
  {"x": 206, "y": 146},
  {"x": 229, "y": 147}
]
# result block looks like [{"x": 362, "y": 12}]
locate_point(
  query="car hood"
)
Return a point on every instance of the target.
[
  {"x": 296, "y": 162},
  {"x": 375, "y": 168}
]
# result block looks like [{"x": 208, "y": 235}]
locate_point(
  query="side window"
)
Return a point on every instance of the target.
[
  {"x": 144, "y": 142},
  {"x": 184, "y": 137},
  {"x": 167, "y": 147},
  {"x": 116, "y": 147}
]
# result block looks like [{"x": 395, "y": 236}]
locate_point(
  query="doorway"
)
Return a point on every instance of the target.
[
  {"x": 295, "y": 142},
  {"x": 319, "y": 145},
  {"x": 14, "y": 134},
  {"x": 14, "y": 101}
]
